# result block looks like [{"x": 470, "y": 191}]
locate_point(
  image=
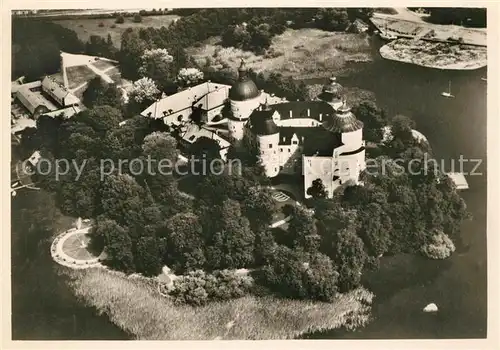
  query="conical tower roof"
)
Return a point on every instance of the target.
[{"x": 343, "y": 120}]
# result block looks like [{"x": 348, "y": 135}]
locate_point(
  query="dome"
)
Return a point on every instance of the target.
[
  {"x": 332, "y": 91},
  {"x": 244, "y": 89},
  {"x": 343, "y": 121}
]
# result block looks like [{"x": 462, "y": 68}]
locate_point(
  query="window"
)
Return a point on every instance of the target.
[
  {"x": 281, "y": 167},
  {"x": 270, "y": 145},
  {"x": 281, "y": 149},
  {"x": 179, "y": 118},
  {"x": 289, "y": 150},
  {"x": 192, "y": 137},
  {"x": 294, "y": 142}
]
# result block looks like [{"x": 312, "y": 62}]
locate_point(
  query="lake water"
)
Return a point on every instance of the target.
[
  {"x": 46, "y": 309},
  {"x": 405, "y": 284}
]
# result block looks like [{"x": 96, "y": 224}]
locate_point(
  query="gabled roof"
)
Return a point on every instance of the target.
[
  {"x": 299, "y": 109},
  {"x": 54, "y": 88},
  {"x": 65, "y": 112},
  {"x": 209, "y": 95}
]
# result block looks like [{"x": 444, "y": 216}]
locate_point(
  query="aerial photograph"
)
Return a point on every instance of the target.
[{"x": 248, "y": 173}]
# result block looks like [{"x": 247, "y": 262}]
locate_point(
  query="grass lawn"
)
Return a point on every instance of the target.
[
  {"x": 103, "y": 65},
  {"x": 136, "y": 308},
  {"x": 78, "y": 75},
  {"x": 85, "y": 27},
  {"x": 303, "y": 54}
]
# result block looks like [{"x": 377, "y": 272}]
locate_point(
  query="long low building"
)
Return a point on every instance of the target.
[{"x": 175, "y": 109}]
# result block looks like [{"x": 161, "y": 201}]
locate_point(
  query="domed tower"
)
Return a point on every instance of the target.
[
  {"x": 244, "y": 97},
  {"x": 266, "y": 131},
  {"x": 351, "y": 155},
  {"x": 332, "y": 93}
]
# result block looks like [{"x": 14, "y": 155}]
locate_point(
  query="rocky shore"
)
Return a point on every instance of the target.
[{"x": 435, "y": 54}]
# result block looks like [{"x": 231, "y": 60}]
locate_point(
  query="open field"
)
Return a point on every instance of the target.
[
  {"x": 77, "y": 75},
  {"x": 304, "y": 53},
  {"x": 135, "y": 307},
  {"x": 85, "y": 27}
]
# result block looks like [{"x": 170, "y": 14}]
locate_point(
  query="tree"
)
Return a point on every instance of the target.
[
  {"x": 317, "y": 190},
  {"x": 157, "y": 64},
  {"x": 101, "y": 118},
  {"x": 184, "y": 242},
  {"x": 349, "y": 256},
  {"x": 302, "y": 230},
  {"x": 144, "y": 91},
  {"x": 204, "y": 151},
  {"x": 375, "y": 230},
  {"x": 121, "y": 199},
  {"x": 120, "y": 19},
  {"x": 259, "y": 207},
  {"x": 297, "y": 276},
  {"x": 132, "y": 48},
  {"x": 230, "y": 244},
  {"x": 373, "y": 118},
  {"x": 189, "y": 77},
  {"x": 137, "y": 18},
  {"x": 117, "y": 244},
  {"x": 147, "y": 256},
  {"x": 100, "y": 93}
]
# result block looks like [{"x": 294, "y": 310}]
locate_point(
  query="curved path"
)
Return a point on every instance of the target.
[{"x": 70, "y": 249}]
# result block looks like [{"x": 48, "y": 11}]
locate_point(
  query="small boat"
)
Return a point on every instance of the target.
[
  {"x": 483, "y": 79},
  {"x": 448, "y": 93}
]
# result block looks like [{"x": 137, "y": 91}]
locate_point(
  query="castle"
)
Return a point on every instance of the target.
[{"x": 320, "y": 138}]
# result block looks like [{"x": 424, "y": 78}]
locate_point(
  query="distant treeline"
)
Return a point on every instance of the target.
[
  {"x": 470, "y": 17},
  {"x": 261, "y": 24},
  {"x": 62, "y": 15}
]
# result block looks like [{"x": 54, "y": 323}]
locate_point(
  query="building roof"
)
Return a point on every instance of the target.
[
  {"x": 65, "y": 112},
  {"x": 244, "y": 89},
  {"x": 54, "y": 88},
  {"x": 262, "y": 123},
  {"x": 321, "y": 143},
  {"x": 31, "y": 100},
  {"x": 194, "y": 132},
  {"x": 343, "y": 121},
  {"x": 209, "y": 95},
  {"x": 299, "y": 109}
]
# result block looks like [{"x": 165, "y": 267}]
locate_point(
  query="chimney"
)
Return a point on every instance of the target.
[
  {"x": 320, "y": 116},
  {"x": 272, "y": 95},
  {"x": 308, "y": 112},
  {"x": 290, "y": 114}
]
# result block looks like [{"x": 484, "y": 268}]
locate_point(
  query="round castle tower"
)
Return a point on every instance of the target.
[
  {"x": 267, "y": 135},
  {"x": 244, "y": 98},
  {"x": 351, "y": 154}
]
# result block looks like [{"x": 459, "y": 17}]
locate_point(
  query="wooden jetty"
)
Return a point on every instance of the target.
[{"x": 459, "y": 180}]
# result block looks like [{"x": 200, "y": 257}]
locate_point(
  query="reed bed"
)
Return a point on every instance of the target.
[{"x": 135, "y": 307}]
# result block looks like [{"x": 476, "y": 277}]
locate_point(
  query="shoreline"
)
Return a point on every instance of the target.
[{"x": 126, "y": 301}]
